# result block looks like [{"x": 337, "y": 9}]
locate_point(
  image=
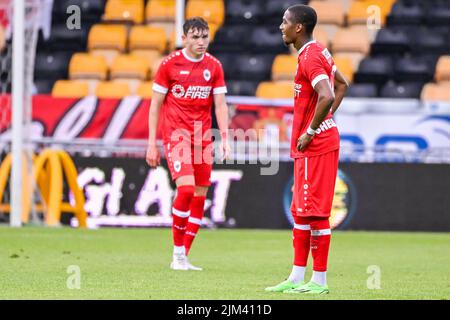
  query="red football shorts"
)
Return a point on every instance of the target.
[
  {"x": 314, "y": 182},
  {"x": 185, "y": 159}
]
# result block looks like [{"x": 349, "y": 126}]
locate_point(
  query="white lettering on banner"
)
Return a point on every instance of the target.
[
  {"x": 326, "y": 125},
  {"x": 76, "y": 119},
  {"x": 156, "y": 190},
  {"x": 98, "y": 193},
  {"x": 222, "y": 179},
  {"x": 122, "y": 116}
]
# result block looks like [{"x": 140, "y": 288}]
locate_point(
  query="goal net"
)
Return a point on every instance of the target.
[{"x": 19, "y": 25}]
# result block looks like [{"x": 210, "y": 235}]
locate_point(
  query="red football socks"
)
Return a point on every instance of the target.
[
  {"x": 180, "y": 213},
  {"x": 194, "y": 222}
]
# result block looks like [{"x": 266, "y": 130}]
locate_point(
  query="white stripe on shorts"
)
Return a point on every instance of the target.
[
  {"x": 302, "y": 226},
  {"x": 322, "y": 232}
]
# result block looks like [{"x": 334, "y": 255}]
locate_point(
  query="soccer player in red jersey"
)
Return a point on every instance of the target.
[
  {"x": 318, "y": 91},
  {"x": 186, "y": 85}
]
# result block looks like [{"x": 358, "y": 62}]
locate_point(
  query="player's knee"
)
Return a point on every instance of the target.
[
  {"x": 319, "y": 223},
  {"x": 185, "y": 193}
]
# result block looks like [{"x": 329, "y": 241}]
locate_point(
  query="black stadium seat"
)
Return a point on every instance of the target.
[
  {"x": 275, "y": 9},
  {"x": 254, "y": 67},
  {"x": 91, "y": 10},
  {"x": 231, "y": 39},
  {"x": 362, "y": 90},
  {"x": 244, "y": 11},
  {"x": 267, "y": 40},
  {"x": 374, "y": 70},
  {"x": 401, "y": 90},
  {"x": 402, "y": 13},
  {"x": 241, "y": 87},
  {"x": 63, "y": 39},
  {"x": 51, "y": 66},
  {"x": 44, "y": 86},
  {"x": 412, "y": 69},
  {"x": 391, "y": 41}
]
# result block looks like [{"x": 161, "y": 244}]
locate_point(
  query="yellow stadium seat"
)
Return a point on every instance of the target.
[
  {"x": 145, "y": 90},
  {"x": 87, "y": 66},
  {"x": 275, "y": 90},
  {"x": 329, "y": 12},
  {"x": 148, "y": 37},
  {"x": 359, "y": 10},
  {"x": 284, "y": 67},
  {"x": 321, "y": 35},
  {"x": 130, "y": 67},
  {"x": 155, "y": 66},
  {"x": 70, "y": 89},
  {"x": 345, "y": 66},
  {"x": 443, "y": 69},
  {"x": 354, "y": 42},
  {"x": 436, "y": 92},
  {"x": 109, "y": 89},
  {"x": 160, "y": 10},
  {"x": 102, "y": 36},
  {"x": 150, "y": 55},
  {"x": 212, "y": 11},
  {"x": 124, "y": 11}
]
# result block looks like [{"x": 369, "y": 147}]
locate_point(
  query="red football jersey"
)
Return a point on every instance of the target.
[
  {"x": 189, "y": 85},
  {"x": 314, "y": 64}
]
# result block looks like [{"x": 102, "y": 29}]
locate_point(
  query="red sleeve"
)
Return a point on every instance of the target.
[
  {"x": 219, "y": 81},
  {"x": 162, "y": 81},
  {"x": 314, "y": 68}
]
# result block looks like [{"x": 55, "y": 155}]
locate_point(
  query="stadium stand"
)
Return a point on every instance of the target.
[
  {"x": 410, "y": 50},
  {"x": 109, "y": 89},
  {"x": 70, "y": 89}
]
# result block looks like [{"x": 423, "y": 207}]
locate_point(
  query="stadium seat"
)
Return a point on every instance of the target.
[
  {"x": 375, "y": 70},
  {"x": 113, "y": 90},
  {"x": 64, "y": 39},
  {"x": 401, "y": 90},
  {"x": 87, "y": 66},
  {"x": 244, "y": 11},
  {"x": 436, "y": 92},
  {"x": 51, "y": 65},
  {"x": 154, "y": 66},
  {"x": 43, "y": 86},
  {"x": 242, "y": 87},
  {"x": 284, "y": 67},
  {"x": 145, "y": 89},
  {"x": 321, "y": 35},
  {"x": 442, "y": 73},
  {"x": 329, "y": 12},
  {"x": 124, "y": 11},
  {"x": 107, "y": 40},
  {"x": 160, "y": 10},
  {"x": 233, "y": 38},
  {"x": 130, "y": 67},
  {"x": 344, "y": 65},
  {"x": 405, "y": 14},
  {"x": 358, "y": 12},
  {"x": 275, "y": 90},
  {"x": 429, "y": 41},
  {"x": 267, "y": 40},
  {"x": 151, "y": 56},
  {"x": 147, "y": 37},
  {"x": 354, "y": 42},
  {"x": 212, "y": 11},
  {"x": 70, "y": 89},
  {"x": 253, "y": 67},
  {"x": 92, "y": 10},
  {"x": 275, "y": 9},
  {"x": 362, "y": 90},
  {"x": 390, "y": 40},
  {"x": 413, "y": 69},
  {"x": 439, "y": 15}
]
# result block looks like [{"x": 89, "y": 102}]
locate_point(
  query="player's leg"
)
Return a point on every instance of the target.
[
  {"x": 301, "y": 237},
  {"x": 196, "y": 216},
  {"x": 180, "y": 214},
  {"x": 319, "y": 200}
]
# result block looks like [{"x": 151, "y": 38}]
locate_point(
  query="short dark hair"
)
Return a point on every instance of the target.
[
  {"x": 196, "y": 23},
  {"x": 304, "y": 15}
]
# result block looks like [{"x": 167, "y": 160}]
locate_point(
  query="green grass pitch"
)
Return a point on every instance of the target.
[{"x": 238, "y": 264}]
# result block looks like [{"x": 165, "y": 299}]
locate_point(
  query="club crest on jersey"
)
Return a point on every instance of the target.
[
  {"x": 178, "y": 91},
  {"x": 207, "y": 74}
]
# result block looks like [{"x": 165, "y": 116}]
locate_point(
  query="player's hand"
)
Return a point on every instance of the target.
[
  {"x": 152, "y": 157},
  {"x": 226, "y": 149},
  {"x": 304, "y": 141}
]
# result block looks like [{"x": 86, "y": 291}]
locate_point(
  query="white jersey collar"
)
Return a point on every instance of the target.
[
  {"x": 305, "y": 45},
  {"x": 190, "y": 58}
]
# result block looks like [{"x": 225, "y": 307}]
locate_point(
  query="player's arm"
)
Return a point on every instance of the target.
[
  {"x": 340, "y": 88},
  {"x": 222, "y": 121},
  {"x": 153, "y": 157},
  {"x": 324, "y": 103}
]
